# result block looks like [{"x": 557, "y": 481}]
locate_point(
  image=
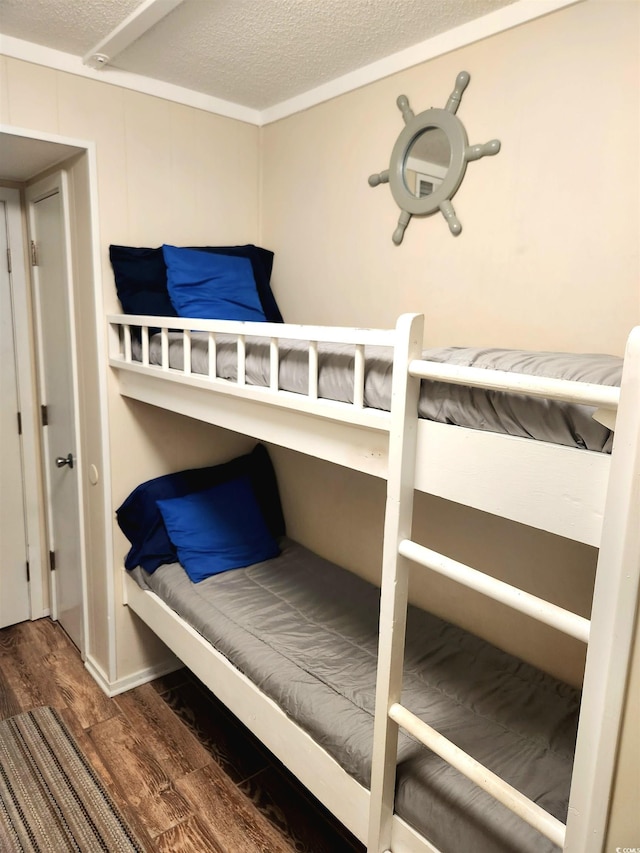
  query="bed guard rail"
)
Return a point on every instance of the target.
[
  {"x": 122, "y": 337},
  {"x": 601, "y": 397}
]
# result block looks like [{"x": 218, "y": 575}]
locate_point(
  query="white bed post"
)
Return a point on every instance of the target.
[
  {"x": 395, "y": 575},
  {"x": 613, "y": 618}
]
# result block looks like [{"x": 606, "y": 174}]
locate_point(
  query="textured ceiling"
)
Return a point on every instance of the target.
[
  {"x": 256, "y": 53},
  {"x": 73, "y": 26}
]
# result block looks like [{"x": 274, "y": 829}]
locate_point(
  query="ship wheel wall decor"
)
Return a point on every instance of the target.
[{"x": 429, "y": 160}]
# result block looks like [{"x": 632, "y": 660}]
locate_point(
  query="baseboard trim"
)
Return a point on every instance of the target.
[{"x": 142, "y": 676}]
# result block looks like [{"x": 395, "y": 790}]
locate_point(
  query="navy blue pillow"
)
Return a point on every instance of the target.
[
  {"x": 141, "y": 521},
  {"x": 143, "y": 270},
  {"x": 141, "y": 281},
  {"x": 218, "y": 529},
  {"x": 209, "y": 286}
]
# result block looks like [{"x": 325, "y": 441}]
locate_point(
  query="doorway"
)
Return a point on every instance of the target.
[
  {"x": 28, "y": 157},
  {"x": 49, "y": 236},
  {"x": 15, "y": 591}
]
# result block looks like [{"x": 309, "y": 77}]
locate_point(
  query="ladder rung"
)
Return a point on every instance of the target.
[
  {"x": 500, "y": 790},
  {"x": 544, "y": 611}
]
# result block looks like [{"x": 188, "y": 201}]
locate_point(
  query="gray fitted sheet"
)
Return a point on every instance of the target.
[
  {"x": 305, "y": 632},
  {"x": 477, "y": 408}
]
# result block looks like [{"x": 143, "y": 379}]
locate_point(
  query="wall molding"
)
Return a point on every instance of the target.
[
  {"x": 496, "y": 22},
  {"x": 142, "y": 676},
  {"x": 513, "y": 15}
]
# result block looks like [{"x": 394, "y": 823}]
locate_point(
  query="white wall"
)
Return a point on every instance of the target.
[
  {"x": 548, "y": 255},
  {"x": 165, "y": 173}
]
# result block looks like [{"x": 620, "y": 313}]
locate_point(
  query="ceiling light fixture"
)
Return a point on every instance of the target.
[{"x": 97, "y": 60}]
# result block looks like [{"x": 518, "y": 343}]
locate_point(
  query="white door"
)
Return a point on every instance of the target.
[
  {"x": 48, "y": 232},
  {"x": 14, "y": 584}
]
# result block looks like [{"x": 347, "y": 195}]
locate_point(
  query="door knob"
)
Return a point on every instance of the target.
[{"x": 61, "y": 461}]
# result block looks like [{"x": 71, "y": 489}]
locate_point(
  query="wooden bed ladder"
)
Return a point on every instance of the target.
[{"x": 609, "y": 633}]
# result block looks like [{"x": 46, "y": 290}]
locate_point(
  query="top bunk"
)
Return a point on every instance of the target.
[{"x": 524, "y": 435}]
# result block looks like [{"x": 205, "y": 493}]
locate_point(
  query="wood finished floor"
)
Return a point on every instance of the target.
[{"x": 186, "y": 774}]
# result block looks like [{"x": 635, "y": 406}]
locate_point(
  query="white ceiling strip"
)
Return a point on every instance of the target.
[{"x": 135, "y": 25}]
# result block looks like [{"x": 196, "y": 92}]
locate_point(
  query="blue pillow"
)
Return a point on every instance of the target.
[
  {"x": 141, "y": 522},
  {"x": 142, "y": 271},
  {"x": 218, "y": 529},
  {"x": 208, "y": 286},
  {"x": 262, "y": 265}
]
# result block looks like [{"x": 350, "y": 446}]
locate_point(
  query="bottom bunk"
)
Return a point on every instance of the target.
[{"x": 290, "y": 645}]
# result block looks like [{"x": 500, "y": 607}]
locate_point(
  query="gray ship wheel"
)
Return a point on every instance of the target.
[{"x": 434, "y": 141}]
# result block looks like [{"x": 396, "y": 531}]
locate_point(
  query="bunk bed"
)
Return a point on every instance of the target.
[{"x": 237, "y": 375}]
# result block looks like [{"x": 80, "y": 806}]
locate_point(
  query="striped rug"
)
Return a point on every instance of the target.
[{"x": 51, "y": 800}]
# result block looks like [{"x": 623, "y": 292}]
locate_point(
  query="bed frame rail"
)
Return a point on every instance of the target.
[
  {"x": 545, "y": 485},
  {"x": 609, "y": 633},
  {"x": 605, "y": 397},
  {"x": 346, "y": 433},
  {"x": 120, "y": 346}
]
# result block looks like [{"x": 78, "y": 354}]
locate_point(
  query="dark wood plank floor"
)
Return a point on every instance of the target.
[{"x": 186, "y": 774}]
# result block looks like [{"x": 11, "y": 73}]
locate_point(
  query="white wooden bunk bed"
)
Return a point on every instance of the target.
[{"x": 585, "y": 495}]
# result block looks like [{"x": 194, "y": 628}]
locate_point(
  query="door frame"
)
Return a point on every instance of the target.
[
  {"x": 57, "y": 184},
  {"x": 105, "y": 671},
  {"x": 26, "y": 399}
]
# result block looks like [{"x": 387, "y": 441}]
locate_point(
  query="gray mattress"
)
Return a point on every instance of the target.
[
  {"x": 495, "y": 411},
  {"x": 305, "y": 632}
]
